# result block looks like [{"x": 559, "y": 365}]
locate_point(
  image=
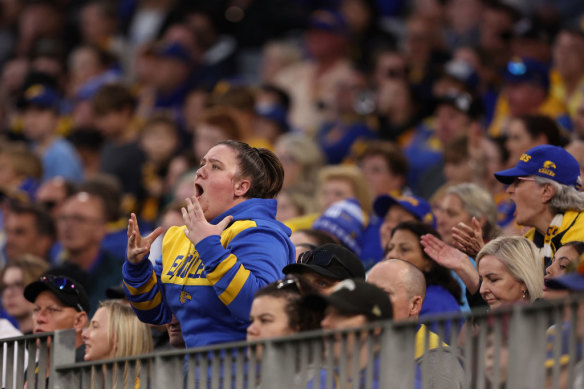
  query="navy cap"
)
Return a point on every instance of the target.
[
  {"x": 275, "y": 113},
  {"x": 354, "y": 297},
  {"x": 417, "y": 206},
  {"x": 546, "y": 161},
  {"x": 175, "y": 50},
  {"x": 527, "y": 70},
  {"x": 39, "y": 95},
  {"x": 328, "y": 20},
  {"x": 572, "y": 281}
]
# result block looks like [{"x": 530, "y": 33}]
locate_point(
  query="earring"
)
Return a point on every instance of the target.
[{"x": 524, "y": 294}]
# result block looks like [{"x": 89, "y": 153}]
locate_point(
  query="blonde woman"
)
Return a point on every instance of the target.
[
  {"x": 509, "y": 269},
  {"x": 115, "y": 331}
]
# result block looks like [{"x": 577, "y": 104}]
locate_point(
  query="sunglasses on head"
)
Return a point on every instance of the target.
[
  {"x": 62, "y": 283},
  {"x": 320, "y": 258},
  {"x": 289, "y": 282}
]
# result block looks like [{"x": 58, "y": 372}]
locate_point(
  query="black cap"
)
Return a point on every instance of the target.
[
  {"x": 67, "y": 290},
  {"x": 115, "y": 292},
  {"x": 354, "y": 297},
  {"x": 329, "y": 260}
]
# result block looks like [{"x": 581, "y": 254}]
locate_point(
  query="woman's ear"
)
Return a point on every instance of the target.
[
  {"x": 548, "y": 193},
  {"x": 241, "y": 187}
]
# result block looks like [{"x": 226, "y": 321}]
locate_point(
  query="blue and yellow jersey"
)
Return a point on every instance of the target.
[
  {"x": 572, "y": 229},
  {"x": 210, "y": 287}
]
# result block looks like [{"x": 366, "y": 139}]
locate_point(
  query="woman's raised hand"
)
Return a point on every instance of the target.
[
  {"x": 442, "y": 253},
  {"x": 198, "y": 228},
  {"x": 139, "y": 246},
  {"x": 468, "y": 239}
]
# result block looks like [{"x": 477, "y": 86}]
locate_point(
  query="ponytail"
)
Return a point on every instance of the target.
[{"x": 261, "y": 167}]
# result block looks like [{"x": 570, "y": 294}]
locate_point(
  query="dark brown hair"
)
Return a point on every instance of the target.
[
  {"x": 394, "y": 158},
  {"x": 261, "y": 167},
  {"x": 113, "y": 97},
  {"x": 292, "y": 289},
  {"x": 438, "y": 274},
  {"x": 536, "y": 125}
]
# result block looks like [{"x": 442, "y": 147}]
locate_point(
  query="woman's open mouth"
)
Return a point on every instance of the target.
[{"x": 199, "y": 190}]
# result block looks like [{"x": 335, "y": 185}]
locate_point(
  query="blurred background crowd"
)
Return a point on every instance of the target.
[{"x": 107, "y": 107}]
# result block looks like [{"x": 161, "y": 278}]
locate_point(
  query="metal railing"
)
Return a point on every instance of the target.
[{"x": 535, "y": 346}]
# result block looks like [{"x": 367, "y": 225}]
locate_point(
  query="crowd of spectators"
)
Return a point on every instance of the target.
[{"x": 418, "y": 137}]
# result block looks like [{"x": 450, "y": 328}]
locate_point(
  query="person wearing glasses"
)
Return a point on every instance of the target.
[
  {"x": 60, "y": 303},
  {"x": 230, "y": 247},
  {"x": 326, "y": 266},
  {"x": 545, "y": 187}
]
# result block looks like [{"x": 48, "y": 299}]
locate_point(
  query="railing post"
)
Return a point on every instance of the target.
[
  {"x": 277, "y": 365},
  {"x": 527, "y": 342},
  {"x": 62, "y": 353},
  {"x": 397, "y": 356},
  {"x": 169, "y": 371}
]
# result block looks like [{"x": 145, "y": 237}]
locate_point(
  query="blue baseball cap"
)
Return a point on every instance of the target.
[
  {"x": 417, "y": 206},
  {"x": 275, "y": 113},
  {"x": 573, "y": 281},
  {"x": 546, "y": 161},
  {"x": 176, "y": 51},
  {"x": 39, "y": 95},
  {"x": 527, "y": 70},
  {"x": 328, "y": 20}
]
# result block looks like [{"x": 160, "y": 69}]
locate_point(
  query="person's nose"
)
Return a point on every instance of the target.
[
  {"x": 252, "y": 329},
  {"x": 483, "y": 289},
  {"x": 85, "y": 334},
  {"x": 41, "y": 316},
  {"x": 325, "y": 323},
  {"x": 510, "y": 189},
  {"x": 201, "y": 172},
  {"x": 393, "y": 253}
]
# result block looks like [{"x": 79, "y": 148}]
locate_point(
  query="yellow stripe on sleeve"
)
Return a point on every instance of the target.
[
  {"x": 221, "y": 269},
  {"x": 234, "y": 287},
  {"x": 144, "y": 288},
  {"x": 148, "y": 305}
]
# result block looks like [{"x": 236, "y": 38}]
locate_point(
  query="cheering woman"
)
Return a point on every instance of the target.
[{"x": 230, "y": 247}]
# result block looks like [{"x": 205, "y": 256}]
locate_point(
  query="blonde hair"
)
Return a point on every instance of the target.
[
  {"x": 354, "y": 177},
  {"x": 521, "y": 258},
  {"x": 127, "y": 332},
  {"x": 128, "y": 335},
  {"x": 306, "y": 153}
]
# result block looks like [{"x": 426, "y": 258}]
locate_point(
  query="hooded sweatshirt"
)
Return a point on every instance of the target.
[{"x": 210, "y": 287}]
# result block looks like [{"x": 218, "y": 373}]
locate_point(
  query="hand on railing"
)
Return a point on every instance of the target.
[
  {"x": 468, "y": 239},
  {"x": 453, "y": 259}
]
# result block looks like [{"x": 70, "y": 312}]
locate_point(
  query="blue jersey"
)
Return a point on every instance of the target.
[{"x": 210, "y": 287}]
